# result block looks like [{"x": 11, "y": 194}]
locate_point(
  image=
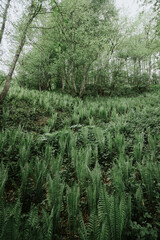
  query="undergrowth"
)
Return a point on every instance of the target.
[{"x": 79, "y": 169}]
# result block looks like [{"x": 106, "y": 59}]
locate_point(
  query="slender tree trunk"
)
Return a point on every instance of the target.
[
  {"x": 127, "y": 75},
  {"x": 4, "y": 20},
  {"x": 83, "y": 85},
  {"x": 85, "y": 78},
  {"x": 63, "y": 82},
  {"x": 32, "y": 15},
  {"x": 72, "y": 78},
  {"x": 74, "y": 85},
  {"x": 40, "y": 89},
  {"x": 135, "y": 82},
  {"x": 149, "y": 73},
  {"x": 140, "y": 68},
  {"x": 39, "y": 79},
  {"x": 65, "y": 76},
  {"x": 23, "y": 74},
  {"x": 49, "y": 87}
]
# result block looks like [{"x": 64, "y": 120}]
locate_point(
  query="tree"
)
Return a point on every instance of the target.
[
  {"x": 84, "y": 28},
  {"x": 4, "y": 18},
  {"x": 69, "y": 45},
  {"x": 34, "y": 9},
  {"x": 139, "y": 50}
]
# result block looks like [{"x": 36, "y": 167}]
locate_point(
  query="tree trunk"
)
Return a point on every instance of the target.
[
  {"x": 127, "y": 75},
  {"x": 83, "y": 85},
  {"x": 149, "y": 73},
  {"x": 39, "y": 79},
  {"x": 63, "y": 82},
  {"x": 135, "y": 81},
  {"x": 72, "y": 78},
  {"x": 74, "y": 85},
  {"x": 4, "y": 20},
  {"x": 140, "y": 68},
  {"x": 65, "y": 76},
  {"x": 32, "y": 15}
]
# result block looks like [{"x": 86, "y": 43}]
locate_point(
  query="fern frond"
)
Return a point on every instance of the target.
[{"x": 82, "y": 228}]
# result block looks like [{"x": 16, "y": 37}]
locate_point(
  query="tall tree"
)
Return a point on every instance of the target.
[
  {"x": 4, "y": 18},
  {"x": 34, "y": 9},
  {"x": 69, "y": 42},
  {"x": 82, "y": 31}
]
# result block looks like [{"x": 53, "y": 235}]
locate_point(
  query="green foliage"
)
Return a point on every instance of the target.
[
  {"x": 2, "y": 78},
  {"x": 68, "y": 46},
  {"x": 83, "y": 168},
  {"x": 94, "y": 179},
  {"x": 73, "y": 196}
]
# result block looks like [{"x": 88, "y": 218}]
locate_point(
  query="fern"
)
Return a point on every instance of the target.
[
  {"x": 112, "y": 215},
  {"x": 55, "y": 197},
  {"x": 90, "y": 231},
  {"x": 47, "y": 224},
  {"x": 138, "y": 146},
  {"x": 148, "y": 177},
  {"x": 10, "y": 221},
  {"x": 82, "y": 228},
  {"x": 24, "y": 177},
  {"x": 3, "y": 178},
  {"x": 93, "y": 227},
  {"x": 152, "y": 142},
  {"x": 109, "y": 143},
  {"x": 139, "y": 197},
  {"x": 93, "y": 189},
  {"x": 2, "y": 217},
  {"x": 157, "y": 172},
  {"x": 119, "y": 143},
  {"x": 73, "y": 196},
  {"x": 103, "y": 214},
  {"x": 100, "y": 138},
  {"x": 39, "y": 175},
  {"x": 117, "y": 176}
]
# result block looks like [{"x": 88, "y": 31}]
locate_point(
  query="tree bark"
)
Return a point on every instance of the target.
[
  {"x": 72, "y": 78},
  {"x": 149, "y": 73},
  {"x": 32, "y": 15},
  {"x": 134, "y": 81},
  {"x": 83, "y": 85},
  {"x": 4, "y": 20}
]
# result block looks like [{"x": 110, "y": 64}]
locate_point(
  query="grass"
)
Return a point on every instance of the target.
[{"x": 79, "y": 169}]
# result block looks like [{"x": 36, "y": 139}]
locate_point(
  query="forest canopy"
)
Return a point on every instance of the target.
[{"x": 87, "y": 47}]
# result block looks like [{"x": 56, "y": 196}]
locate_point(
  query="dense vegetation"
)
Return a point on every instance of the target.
[
  {"x": 79, "y": 126},
  {"x": 85, "y": 47},
  {"x": 79, "y": 169}
]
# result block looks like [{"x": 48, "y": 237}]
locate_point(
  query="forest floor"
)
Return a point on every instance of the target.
[{"x": 79, "y": 169}]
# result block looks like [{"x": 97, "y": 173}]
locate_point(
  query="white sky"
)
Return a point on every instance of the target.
[{"x": 129, "y": 8}]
